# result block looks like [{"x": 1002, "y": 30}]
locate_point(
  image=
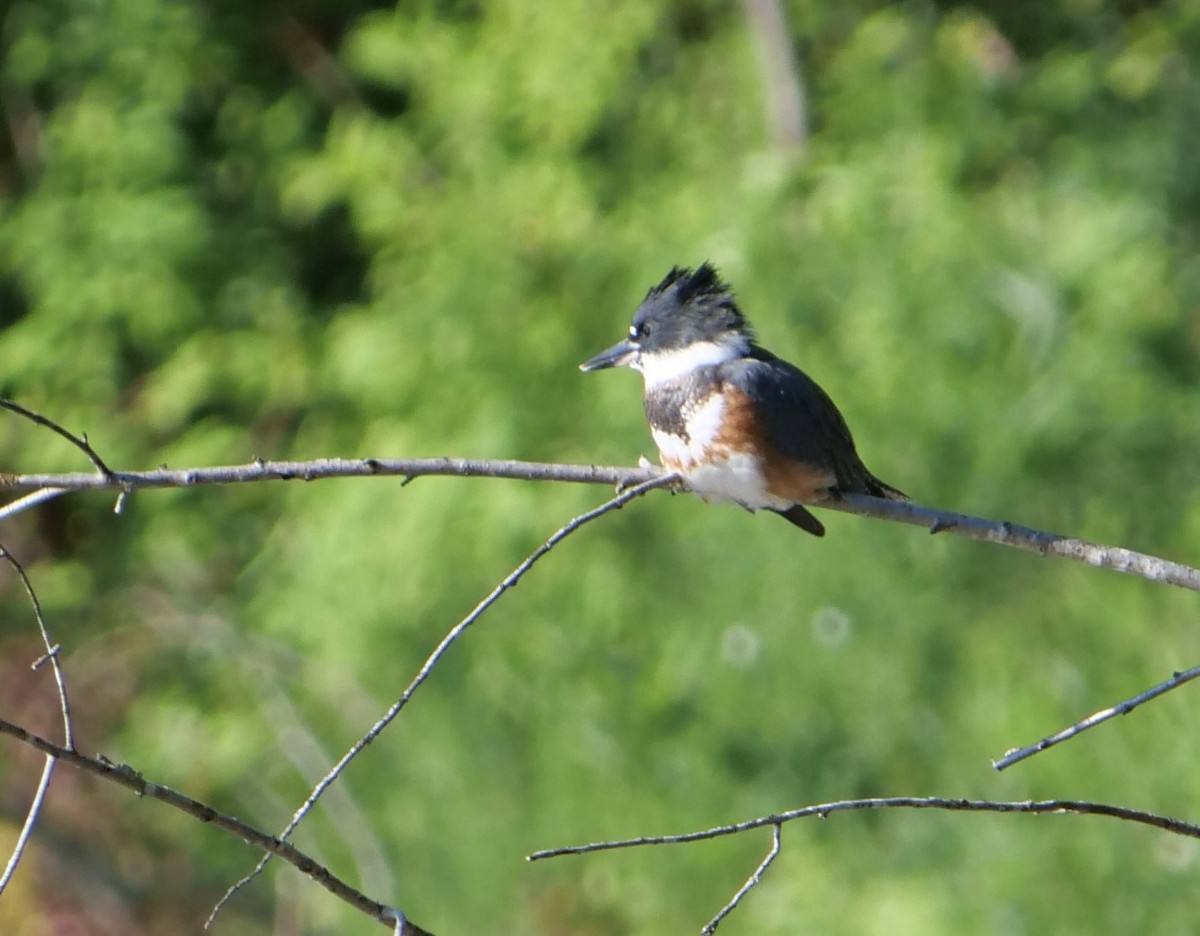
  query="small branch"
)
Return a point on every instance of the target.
[
  {"x": 21, "y": 504},
  {"x": 779, "y": 71},
  {"x": 35, "y": 809},
  {"x": 656, "y": 481},
  {"x": 51, "y": 648},
  {"x": 1116, "y": 558},
  {"x": 824, "y": 810},
  {"x": 126, "y": 776},
  {"x": 51, "y": 654},
  {"x": 80, "y": 442},
  {"x": 751, "y": 882},
  {"x": 321, "y": 468},
  {"x": 314, "y": 63},
  {"x": 1016, "y": 755}
]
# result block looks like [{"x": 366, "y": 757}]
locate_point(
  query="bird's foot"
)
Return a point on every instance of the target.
[{"x": 676, "y": 486}]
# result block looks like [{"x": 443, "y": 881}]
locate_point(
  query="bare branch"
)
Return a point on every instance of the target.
[
  {"x": 1117, "y": 558},
  {"x": 51, "y": 654},
  {"x": 31, "y": 817},
  {"x": 51, "y": 648},
  {"x": 321, "y": 468},
  {"x": 824, "y": 810},
  {"x": 656, "y": 481},
  {"x": 779, "y": 71},
  {"x": 711, "y": 926},
  {"x": 1003, "y": 532},
  {"x": 21, "y": 504},
  {"x": 126, "y": 776},
  {"x": 1016, "y": 755},
  {"x": 80, "y": 442}
]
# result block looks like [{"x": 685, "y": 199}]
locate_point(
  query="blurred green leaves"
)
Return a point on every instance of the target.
[{"x": 308, "y": 229}]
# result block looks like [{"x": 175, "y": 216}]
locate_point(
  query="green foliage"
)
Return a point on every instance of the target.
[{"x": 312, "y": 229}]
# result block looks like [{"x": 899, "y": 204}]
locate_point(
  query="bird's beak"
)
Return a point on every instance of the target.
[{"x": 621, "y": 354}]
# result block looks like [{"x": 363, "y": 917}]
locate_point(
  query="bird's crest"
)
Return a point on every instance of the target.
[{"x": 703, "y": 281}]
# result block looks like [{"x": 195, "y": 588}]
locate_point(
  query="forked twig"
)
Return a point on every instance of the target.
[
  {"x": 823, "y": 810},
  {"x": 80, "y": 442},
  {"x": 635, "y": 482},
  {"x": 711, "y": 926},
  {"x": 615, "y": 503},
  {"x": 126, "y": 776}
]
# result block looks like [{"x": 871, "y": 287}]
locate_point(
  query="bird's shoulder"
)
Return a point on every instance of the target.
[{"x": 766, "y": 377}]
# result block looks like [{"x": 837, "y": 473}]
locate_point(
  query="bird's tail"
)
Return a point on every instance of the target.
[
  {"x": 877, "y": 488},
  {"x": 802, "y": 518}
]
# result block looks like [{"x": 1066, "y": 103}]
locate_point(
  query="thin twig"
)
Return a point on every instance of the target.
[
  {"x": 936, "y": 521},
  {"x": 711, "y": 926},
  {"x": 21, "y": 504},
  {"x": 35, "y": 809},
  {"x": 1016, "y": 755},
  {"x": 51, "y": 654},
  {"x": 432, "y": 660},
  {"x": 822, "y": 810},
  {"x": 126, "y": 776},
  {"x": 60, "y": 678},
  {"x": 80, "y": 442}
]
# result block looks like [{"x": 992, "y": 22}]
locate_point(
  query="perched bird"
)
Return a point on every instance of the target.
[{"x": 738, "y": 423}]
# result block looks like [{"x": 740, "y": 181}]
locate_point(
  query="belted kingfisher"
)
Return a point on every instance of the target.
[{"x": 738, "y": 423}]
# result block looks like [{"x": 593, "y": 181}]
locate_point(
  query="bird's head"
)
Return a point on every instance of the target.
[{"x": 687, "y": 321}]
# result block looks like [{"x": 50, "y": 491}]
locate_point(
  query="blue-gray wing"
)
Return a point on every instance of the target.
[{"x": 800, "y": 422}]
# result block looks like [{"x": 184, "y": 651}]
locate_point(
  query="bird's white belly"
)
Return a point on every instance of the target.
[
  {"x": 734, "y": 478},
  {"x": 712, "y": 470}
]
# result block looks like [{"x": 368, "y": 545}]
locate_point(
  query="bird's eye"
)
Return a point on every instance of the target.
[{"x": 639, "y": 330}]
